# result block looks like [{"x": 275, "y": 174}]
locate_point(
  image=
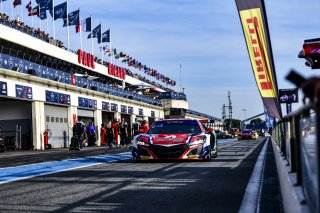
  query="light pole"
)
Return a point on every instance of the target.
[{"x": 244, "y": 111}]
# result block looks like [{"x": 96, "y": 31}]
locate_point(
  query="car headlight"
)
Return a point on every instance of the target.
[{"x": 198, "y": 141}]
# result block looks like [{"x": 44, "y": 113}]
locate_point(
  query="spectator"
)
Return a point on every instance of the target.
[
  {"x": 144, "y": 127},
  {"x": 115, "y": 127},
  {"x": 135, "y": 127},
  {"x": 91, "y": 135},
  {"x": 103, "y": 132},
  {"x": 110, "y": 135},
  {"x": 123, "y": 132},
  {"x": 79, "y": 130}
]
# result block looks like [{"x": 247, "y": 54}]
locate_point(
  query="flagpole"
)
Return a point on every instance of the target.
[
  {"x": 21, "y": 11},
  {"x": 39, "y": 11},
  {"x": 110, "y": 46},
  {"x": 11, "y": 10},
  {"x": 47, "y": 25},
  {"x": 80, "y": 30},
  {"x": 68, "y": 26},
  {"x": 53, "y": 30},
  {"x": 101, "y": 44},
  {"x": 91, "y": 36},
  {"x": 31, "y": 17}
]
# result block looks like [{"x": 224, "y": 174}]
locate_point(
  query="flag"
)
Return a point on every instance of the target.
[
  {"x": 85, "y": 25},
  {"x": 16, "y": 3},
  {"x": 256, "y": 32},
  {"x": 73, "y": 19},
  {"x": 45, "y": 4},
  {"x": 269, "y": 121},
  {"x": 105, "y": 49},
  {"x": 43, "y": 13},
  {"x": 60, "y": 11},
  {"x": 29, "y": 7},
  {"x": 105, "y": 37},
  {"x": 96, "y": 32},
  {"x": 34, "y": 11}
]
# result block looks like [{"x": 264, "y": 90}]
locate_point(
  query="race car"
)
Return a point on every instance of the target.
[
  {"x": 247, "y": 134},
  {"x": 175, "y": 139}
]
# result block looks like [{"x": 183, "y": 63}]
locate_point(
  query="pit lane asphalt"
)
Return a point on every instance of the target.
[{"x": 124, "y": 186}]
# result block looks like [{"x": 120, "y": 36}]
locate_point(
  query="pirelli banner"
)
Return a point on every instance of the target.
[{"x": 255, "y": 28}]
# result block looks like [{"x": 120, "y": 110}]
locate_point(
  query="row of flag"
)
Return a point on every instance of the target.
[
  {"x": 85, "y": 25},
  {"x": 132, "y": 62},
  {"x": 71, "y": 19}
]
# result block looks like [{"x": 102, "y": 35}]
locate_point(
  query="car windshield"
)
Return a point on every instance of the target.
[
  {"x": 246, "y": 132},
  {"x": 174, "y": 127}
]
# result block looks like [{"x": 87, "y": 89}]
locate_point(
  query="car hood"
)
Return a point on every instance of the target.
[
  {"x": 246, "y": 134},
  {"x": 166, "y": 139}
]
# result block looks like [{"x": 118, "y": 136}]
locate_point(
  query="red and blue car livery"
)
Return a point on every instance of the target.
[{"x": 175, "y": 139}]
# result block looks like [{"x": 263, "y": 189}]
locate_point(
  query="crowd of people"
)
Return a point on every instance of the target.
[
  {"x": 112, "y": 134},
  {"x": 118, "y": 132},
  {"x": 37, "y": 32},
  {"x": 144, "y": 79},
  {"x": 86, "y": 133}
]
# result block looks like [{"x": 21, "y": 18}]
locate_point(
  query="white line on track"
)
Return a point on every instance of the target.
[{"x": 251, "y": 198}]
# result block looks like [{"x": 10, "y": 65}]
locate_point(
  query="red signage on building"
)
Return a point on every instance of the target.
[
  {"x": 86, "y": 59},
  {"x": 116, "y": 71}
]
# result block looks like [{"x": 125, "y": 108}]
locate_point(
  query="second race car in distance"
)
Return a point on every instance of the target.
[
  {"x": 175, "y": 139},
  {"x": 247, "y": 134}
]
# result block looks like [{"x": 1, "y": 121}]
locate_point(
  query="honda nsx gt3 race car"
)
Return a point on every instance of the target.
[
  {"x": 247, "y": 134},
  {"x": 175, "y": 139}
]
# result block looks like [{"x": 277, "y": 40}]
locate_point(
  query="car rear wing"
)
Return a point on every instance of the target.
[{"x": 206, "y": 121}]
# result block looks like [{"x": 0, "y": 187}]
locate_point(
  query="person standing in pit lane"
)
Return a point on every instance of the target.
[
  {"x": 135, "y": 128},
  {"x": 144, "y": 127},
  {"x": 110, "y": 135},
  {"x": 115, "y": 127},
  {"x": 123, "y": 132},
  {"x": 103, "y": 132},
  {"x": 91, "y": 134}
]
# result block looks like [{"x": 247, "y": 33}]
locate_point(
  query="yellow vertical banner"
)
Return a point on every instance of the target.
[{"x": 254, "y": 24}]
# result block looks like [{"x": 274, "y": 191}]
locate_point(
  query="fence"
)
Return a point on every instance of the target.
[
  {"x": 12, "y": 138},
  {"x": 298, "y": 137}
]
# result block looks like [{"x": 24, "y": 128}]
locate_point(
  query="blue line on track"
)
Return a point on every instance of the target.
[
  {"x": 227, "y": 140},
  {"x": 11, "y": 174}
]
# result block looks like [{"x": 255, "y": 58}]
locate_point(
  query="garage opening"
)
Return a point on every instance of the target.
[
  {"x": 16, "y": 124},
  {"x": 88, "y": 116}
]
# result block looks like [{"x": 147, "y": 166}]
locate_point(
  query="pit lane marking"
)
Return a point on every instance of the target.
[{"x": 12, "y": 174}]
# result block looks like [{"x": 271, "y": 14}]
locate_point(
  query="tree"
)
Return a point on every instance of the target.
[
  {"x": 235, "y": 123},
  {"x": 257, "y": 123}
]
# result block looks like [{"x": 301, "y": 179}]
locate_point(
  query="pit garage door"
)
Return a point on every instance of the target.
[
  {"x": 86, "y": 115},
  {"x": 57, "y": 124}
]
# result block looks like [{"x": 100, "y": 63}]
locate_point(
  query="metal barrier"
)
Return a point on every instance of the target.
[
  {"x": 298, "y": 137},
  {"x": 12, "y": 139}
]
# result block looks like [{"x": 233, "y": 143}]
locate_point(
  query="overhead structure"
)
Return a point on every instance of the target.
[
  {"x": 311, "y": 52},
  {"x": 229, "y": 106},
  {"x": 255, "y": 28}
]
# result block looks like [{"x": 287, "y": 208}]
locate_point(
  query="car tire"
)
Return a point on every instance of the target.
[{"x": 215, "y": 155}]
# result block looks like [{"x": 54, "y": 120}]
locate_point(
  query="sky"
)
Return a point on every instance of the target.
[{"x": 204, "y": 37}]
